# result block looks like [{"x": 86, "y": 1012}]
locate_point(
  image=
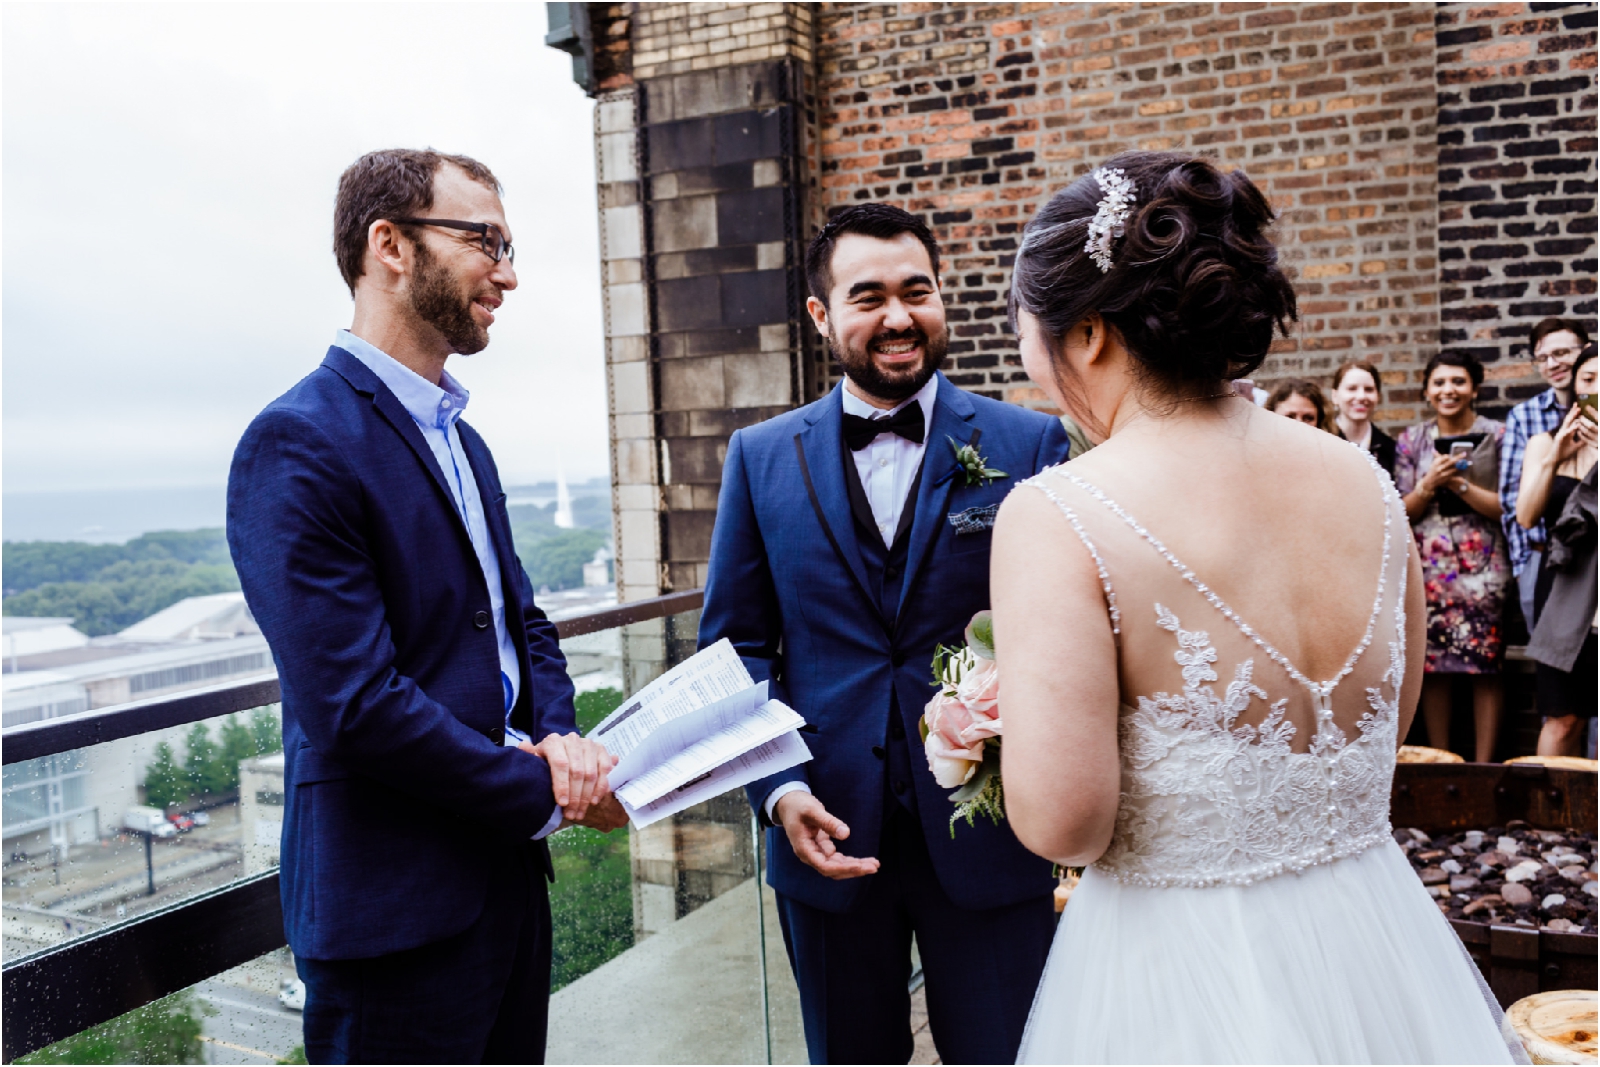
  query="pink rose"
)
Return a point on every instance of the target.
[
  {"x": 979, "y": 693},
  {"x": 952, "y": 760}
]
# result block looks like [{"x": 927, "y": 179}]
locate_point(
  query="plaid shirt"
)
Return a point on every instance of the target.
[{"x": 1540, "y": 414}]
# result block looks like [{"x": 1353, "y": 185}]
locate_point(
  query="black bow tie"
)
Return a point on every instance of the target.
[{"x": 907, "y": 423}]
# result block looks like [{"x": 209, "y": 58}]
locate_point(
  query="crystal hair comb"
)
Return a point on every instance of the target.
[{"x": 1111, "y": 216}]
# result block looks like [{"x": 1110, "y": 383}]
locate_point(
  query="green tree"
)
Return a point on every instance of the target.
[
  {"x": 123, "y": 593},
  {"x": 555, "y": 558},
  {"x": 166, "y": 1031},
  {"x": 201, "y": 762},
  {"x": 238, "y": 744},
  {"x": 164, "y": 781},
  {"x": 30, "y": 564},
  {"x": 266, "y": 729}
]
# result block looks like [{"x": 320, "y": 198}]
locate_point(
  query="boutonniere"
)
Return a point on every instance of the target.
[{"x": 973, "y": 466}]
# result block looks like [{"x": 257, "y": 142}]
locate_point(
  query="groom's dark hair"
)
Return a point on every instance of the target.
[{"x": 883, "y": 221}]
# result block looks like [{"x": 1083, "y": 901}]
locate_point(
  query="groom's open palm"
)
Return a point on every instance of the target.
[{"x": 812, "y": 832}]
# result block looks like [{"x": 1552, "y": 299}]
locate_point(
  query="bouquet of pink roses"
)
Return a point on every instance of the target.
[{"x": 961, "y": 725}]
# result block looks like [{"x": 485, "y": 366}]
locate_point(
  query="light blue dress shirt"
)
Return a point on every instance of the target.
[{"x": 436, "y": 409}]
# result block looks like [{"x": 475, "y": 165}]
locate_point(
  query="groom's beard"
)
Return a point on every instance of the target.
[{"x": 893, "y": 385}]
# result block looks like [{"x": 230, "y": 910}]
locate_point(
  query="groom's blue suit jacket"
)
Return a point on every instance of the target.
[
  {"x": 787, "y": 586},
  {"x": 360, "y": 572}
]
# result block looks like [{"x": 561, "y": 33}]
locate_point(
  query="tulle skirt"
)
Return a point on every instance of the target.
[{"x": 1349, "y": 962}]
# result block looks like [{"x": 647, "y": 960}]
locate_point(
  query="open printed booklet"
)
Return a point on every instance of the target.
[{"x": 696, "y": 732}]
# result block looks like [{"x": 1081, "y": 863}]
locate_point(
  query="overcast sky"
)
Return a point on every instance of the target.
[{"x": 168, "y": 178}]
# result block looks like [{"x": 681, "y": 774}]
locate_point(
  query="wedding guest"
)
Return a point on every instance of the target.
[
  {"x": 1356, "y": 391},
  {"x": 1445, "y": 470},
  {"x": 1554, "y": 344},
  {"x": 1302, "y": 400},
  {"x": 1553, "y": 467}
]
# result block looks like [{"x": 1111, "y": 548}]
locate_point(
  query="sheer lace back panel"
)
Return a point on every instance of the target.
[{"x": 1236, "y": 766}]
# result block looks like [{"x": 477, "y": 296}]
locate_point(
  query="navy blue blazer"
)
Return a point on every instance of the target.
[
  {"x": 788, "y": 587},
  {"x": 359, "y": 570}
]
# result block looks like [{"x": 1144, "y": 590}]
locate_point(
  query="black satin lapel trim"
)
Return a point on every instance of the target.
[
  {"x": 908, "y": 510},
  {"x": 930, "y": 503},
  {"x": 851, "y": 559},
  {"x": 860, "y": 507}
]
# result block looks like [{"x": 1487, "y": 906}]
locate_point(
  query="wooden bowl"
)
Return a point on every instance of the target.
[
  {"x": 1566, "y": 763},
  {"x": 1558, "y": 1027},
  {"x": 1423, "y": 754}
]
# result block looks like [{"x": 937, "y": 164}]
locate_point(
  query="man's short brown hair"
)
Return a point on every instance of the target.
[
  {"x": 380, "y": 185},
  {"x": 1546, "y": 327}
]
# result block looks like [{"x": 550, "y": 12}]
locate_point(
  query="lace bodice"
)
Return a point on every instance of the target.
[{"x": 1218, "y": 787}]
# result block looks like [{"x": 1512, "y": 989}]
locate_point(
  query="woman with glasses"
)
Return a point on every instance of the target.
[
  {"x": 1446, "y": 468},
  {"x": 1357, "y": 390},
  {"x": 1553, "y": 467}
]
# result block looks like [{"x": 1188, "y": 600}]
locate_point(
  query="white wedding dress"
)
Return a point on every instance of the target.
[{"x": 1252, "y": 906}]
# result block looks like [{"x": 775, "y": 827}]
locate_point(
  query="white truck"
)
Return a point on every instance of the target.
[{"x": 152, "y": 821}]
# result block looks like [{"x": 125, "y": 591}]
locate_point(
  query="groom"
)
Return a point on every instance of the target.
[{"x": 849, "y": 543}]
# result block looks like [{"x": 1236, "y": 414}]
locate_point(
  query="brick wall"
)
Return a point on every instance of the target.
[
  {"x": 1516, "y": 181},
  {"x": 679, "y": 38},
  {"x": 974, "y": 114}
]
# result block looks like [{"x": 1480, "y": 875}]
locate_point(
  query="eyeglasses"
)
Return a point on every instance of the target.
[
  {"x": 494, "y": 243},
  {"x": 1556, "y": 355}
]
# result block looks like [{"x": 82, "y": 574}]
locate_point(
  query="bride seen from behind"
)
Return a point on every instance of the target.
[{"x": 1211, "y": 633}]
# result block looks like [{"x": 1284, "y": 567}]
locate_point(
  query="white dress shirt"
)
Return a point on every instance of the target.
[
  {"x": 890, "y": 462},
  {"x": 436, "y": 409},
  {"x": 887, "y": 467}
]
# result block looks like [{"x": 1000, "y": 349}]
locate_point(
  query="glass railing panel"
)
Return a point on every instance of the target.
[
  {"x": 248, "y": 1014},
  {"x": 688, "y": 988},
  {"x": 107, "y": 833},
  {"x": 664, "y": 948},
  {"x": 681, "y": 981}
]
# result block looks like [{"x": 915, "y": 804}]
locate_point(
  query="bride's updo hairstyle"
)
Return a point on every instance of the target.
[{"x": 1194, "y": 288}]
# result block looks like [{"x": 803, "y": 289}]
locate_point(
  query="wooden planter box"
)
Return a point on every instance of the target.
[{"x": 1436, "y": 798}]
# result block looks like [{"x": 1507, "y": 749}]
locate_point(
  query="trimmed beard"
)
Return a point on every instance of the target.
[
  {"x": 860, "y": 367},
  {"x": 436, "y": 298}
]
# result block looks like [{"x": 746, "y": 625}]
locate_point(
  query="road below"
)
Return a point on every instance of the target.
[{"x": 248, "y": 1027}]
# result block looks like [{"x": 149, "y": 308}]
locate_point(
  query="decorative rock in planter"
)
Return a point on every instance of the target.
[{"x": 1495, "y": 820}]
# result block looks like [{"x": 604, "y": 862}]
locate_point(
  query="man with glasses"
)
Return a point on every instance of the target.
[
  {"x": 1554, "y": 344},
  {"x": 430, "y": 740}
]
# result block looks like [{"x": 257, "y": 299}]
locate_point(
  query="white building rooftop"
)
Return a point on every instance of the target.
[
  {"x": 25, "y": 635},
  {"x": 196, "y": 618}
]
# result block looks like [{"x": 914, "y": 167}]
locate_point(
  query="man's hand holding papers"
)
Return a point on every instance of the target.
[
  {"x": 696, "y": 732},
  {"x": 579, "y": 770}
]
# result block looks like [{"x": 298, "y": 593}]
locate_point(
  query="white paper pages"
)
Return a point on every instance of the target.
[{"x": 696, "y": 732}]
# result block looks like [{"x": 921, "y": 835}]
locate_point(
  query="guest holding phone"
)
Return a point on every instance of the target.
[
  {"x": 1357, "y": 390},
  {"x": 1554, "y": 465},
  {"x": 1446, "y": 468}
]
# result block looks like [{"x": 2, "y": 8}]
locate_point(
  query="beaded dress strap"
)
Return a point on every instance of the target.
[
  {"x": 1321, "y": 691},
  {"x": 1094, "y": 553}
]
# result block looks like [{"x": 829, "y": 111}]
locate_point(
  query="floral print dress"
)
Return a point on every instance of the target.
[{"x": 1465, "y": 569}]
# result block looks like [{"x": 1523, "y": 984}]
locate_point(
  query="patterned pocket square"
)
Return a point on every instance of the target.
[{"x": 973, "y": 520}]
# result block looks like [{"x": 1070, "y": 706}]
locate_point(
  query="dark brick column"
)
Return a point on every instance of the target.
[
  {"x": 1516, "y": 181},
  {"x": 719, "y": 154}
]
